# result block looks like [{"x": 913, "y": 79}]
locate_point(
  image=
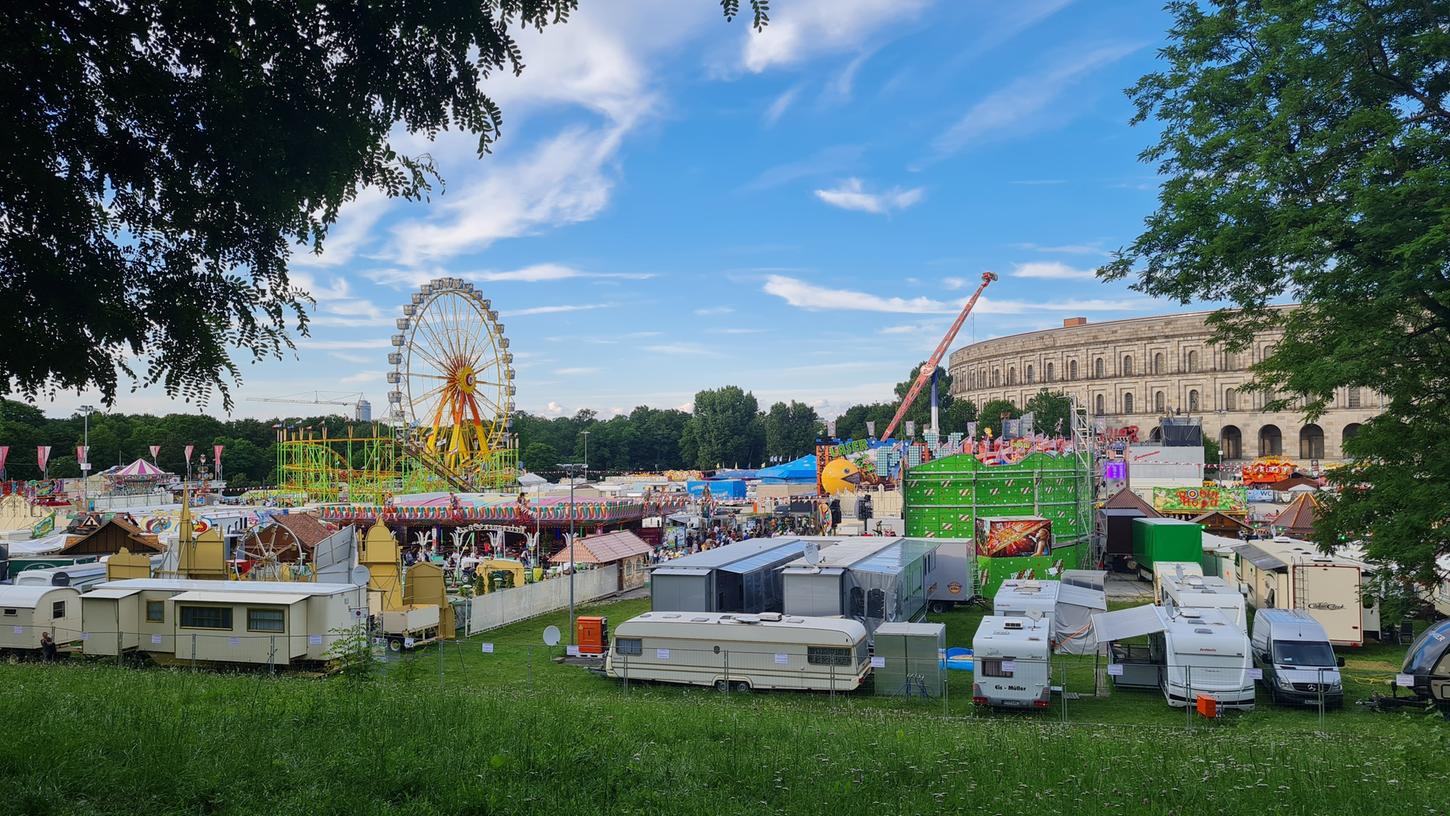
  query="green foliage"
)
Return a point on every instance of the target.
[
  {"x": 540, "y": 456},
  {"x": 1210, "y": 451},
  {"x": 1051, "y": 412},
  {"x": 352, "y": 653},
  {"x": 726, "y": 429},
  {"x": 791, "y": 430},
  {"x": 991, "y": 417},
  {"x": 1305, "y": 155}
]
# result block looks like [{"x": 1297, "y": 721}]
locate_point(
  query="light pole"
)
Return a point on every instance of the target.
[
  {"x": 86, "y": 411},
  {"x": 586, "y": 455},
  {"x": 572, "y": 470}
]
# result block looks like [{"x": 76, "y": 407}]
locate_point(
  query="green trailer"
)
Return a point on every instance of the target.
[{"x": 1164, "y": 539}]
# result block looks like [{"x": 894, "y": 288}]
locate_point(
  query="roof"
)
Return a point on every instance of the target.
[
  {"x": 308, "y": 528},
  {"x": 1297, "y": 480},
  {"x": 1220, "y": 519},
  {"x": 796, "y": 629},
  {"x": 203, "y": 596},
  {"x": 1073, "y": 595},
  {"x": 605, "y": 548},
  {"x": 1165, "y": 522},
  {"x": 197, "y": 585},
  {"x": 728, "y": 554},
  {"x": 140, "y": 467},
  {"x": 1122, "y": 624},
  {"x": 1299, "y": 515},
  {"x": 847, "y": 553},
  {"x": 145, "y": 542},
  {"x": 26, "y": 596},
  {"x": 790, "y": 550},
  {"x": 111, "y": 593},
  {"x": 894, "y": 558},
  {"x": 1126, "y": 499},
  {"x": 910, "y": 629},
  {"x": 1263, "y": 560}
]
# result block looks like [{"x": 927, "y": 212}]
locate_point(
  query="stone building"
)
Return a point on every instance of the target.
[{"x": 1131, "y": 372}]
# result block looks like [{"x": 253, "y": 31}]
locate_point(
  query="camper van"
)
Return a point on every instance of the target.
[
  {"x": 27, "y": 611},
  {"x": 1299, "y": 667},
  {"x": 1013, "y": 662},
  {"x": 741, "y": 651},
  {"x": 1199, "y": 592},
  {"x": 1428, "y": 665},
  {"x": 78, "y": 576},
  {"x": 1204, "y": 653}
]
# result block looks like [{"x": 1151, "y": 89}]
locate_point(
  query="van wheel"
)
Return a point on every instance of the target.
[
  {"x": 722, "y": 685},
  {"x": 741, "y": 686},
  {"x": 938, "y": 607}
]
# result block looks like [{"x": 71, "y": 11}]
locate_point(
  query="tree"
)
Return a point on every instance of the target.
[
  {"x": 791, "y": 430},
  {"x": 1305, "y": 151},
  {"x": 163, "y": 157},
  {"x": 540, "y": 456},
  {"x": 1051, "y": 412},
  {"x": 991, "y": 417},
  {"x": 726, "y": 428}
]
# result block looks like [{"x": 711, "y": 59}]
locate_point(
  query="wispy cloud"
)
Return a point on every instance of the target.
[
  {"x": 852, "y": 195},
  {"x": 1064, "y": 249},
  {"x": 1051, "y": 270},
  {"x": 354, "y": 228},
  {"x": 1026, "y": 103},
  {"x": 811, "y": 297},
  {"x": 781, "y": 104},
  {"x": 804, "y": 28},
  {"x": 823, "y": 162},
  {"x": 683, "y": 350},
  {"x": 840, "y": 88},
  {"x": 734, "y": 330},
  {"x": 714, "y": 310},
  {"x": 575, "y": 371},
  {"x": 539, "y": 273},
  {"x": 557, "y": 309}
]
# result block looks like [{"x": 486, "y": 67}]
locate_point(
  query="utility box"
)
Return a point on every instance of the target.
[
  {"x": 1162, "y": 539},
  {"x": 912, "y": 654},
  {"x": 591, "y": 632}
]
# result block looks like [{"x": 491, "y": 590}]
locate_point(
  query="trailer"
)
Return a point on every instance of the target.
[
  {"x": 409, "y": 627},
  {"x": 1165, "y": 539},
  {"x": 1200, "y": 592},
  {"x": 1284, "y": 573},
  {"x": 1195, "y": 653},
  {"x": 741, "y": 577},
  {"x": 1178, "y": 570},
  {"x": 950, "y": 581},
  {"x": 1022, "y": 599},
  {"x": 79, "y": 576},
  {"x": 741, "y": 652},
  {"x": 28, "y": 611},
  {"x": 1013, "y": 663}
]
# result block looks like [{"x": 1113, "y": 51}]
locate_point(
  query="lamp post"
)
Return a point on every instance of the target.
[
  {"x": 586, "y": 454},
  {"x": 572, "y": 470},
  {"x": 86, "y": 411}
]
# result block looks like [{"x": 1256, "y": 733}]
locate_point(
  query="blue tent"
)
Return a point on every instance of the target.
[{"x": 800, "y": 471}]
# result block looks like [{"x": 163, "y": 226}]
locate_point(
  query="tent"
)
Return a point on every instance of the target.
[
  {"x": 139, "y": 469},
  {"x": 799, "y": 471},
  {"x": 1298, "y": 518},
  {"x": 1073, "y": 615}
]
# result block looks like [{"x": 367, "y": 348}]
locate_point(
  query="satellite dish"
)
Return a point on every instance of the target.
[
  {"x": 551, "y": 635},
  {"x": 812, "y": 554},
  {"x": 360, "y": 576}
]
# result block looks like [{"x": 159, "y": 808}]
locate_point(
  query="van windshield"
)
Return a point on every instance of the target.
[{"x": 1302, "y": 653}]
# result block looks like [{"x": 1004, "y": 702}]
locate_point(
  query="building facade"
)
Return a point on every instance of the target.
[{"x": 1129, "y": 373}]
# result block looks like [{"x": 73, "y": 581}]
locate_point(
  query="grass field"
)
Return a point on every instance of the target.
[{"x": 458, "y": 731}]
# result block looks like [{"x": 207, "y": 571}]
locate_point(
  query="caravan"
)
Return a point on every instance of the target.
[
  {"x": 1199, "y": 592},
  {"x": 1027, "y": 598},
  {"x": 1013, "y": 662},
  {"x": 1204, "y": 654}
]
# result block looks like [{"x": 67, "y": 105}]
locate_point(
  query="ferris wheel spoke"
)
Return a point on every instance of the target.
[{"x": 438, "y": 346}]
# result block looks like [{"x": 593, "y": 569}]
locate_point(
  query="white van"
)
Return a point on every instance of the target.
[
  {"x": 1199, "y": 592},
  {"x": 1299, "y": 666},
  {"x": 1013, "y": 662},
  {"x": 1204, "y": 653},
  {"x": 741, "y": 651}
]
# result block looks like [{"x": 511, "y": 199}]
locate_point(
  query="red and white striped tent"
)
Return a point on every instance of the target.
[{"x": 138, "y": 470}]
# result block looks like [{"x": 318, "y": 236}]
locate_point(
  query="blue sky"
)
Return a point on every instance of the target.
[{"x": 680, "y": 203}]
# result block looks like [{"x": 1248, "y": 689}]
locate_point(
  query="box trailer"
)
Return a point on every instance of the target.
[
  {"x": 1164, "y": 539},
  {"x": 410, "y": 627},
  {"x": 910, "y": 656},
  {"x": 28, "y": 611},
  {"x": 741, "y": 651},
  {"x": 950, "y": 581},
  {"x": 1012, "y": 663},
  {"x": 1285, "y": 573}
]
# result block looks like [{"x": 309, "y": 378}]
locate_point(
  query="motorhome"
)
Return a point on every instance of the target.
[
  {"x": 741, "y": 651},
  {"x": 1027, "y": 598},
  {"x": 1299, "y": 667},
  {"x": 1200, "y": 592},
  {"x": 1204, "y": 653},
  {"x": 1427, "y": 663},
  {"x": 1173, "y": 569},
  {"x": 1013, "y": 662},
  {"x": 1284, "y": 573},
  {"x": 79, "y": 576},
  {"x": 28, "y": 611}
]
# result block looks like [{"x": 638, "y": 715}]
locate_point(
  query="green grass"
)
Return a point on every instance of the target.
[{"x": 458, "y": 731}]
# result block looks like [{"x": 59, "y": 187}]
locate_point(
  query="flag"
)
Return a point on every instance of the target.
[
  {"x": 217, "y": 456},
  {"x": 155, "y": 452},
  {"x": 81, "y": 451},
  {"x": 42, "y": 456},
  {"x": 188, "y": 449}
]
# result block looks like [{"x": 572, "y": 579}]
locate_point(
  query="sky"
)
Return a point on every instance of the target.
[{"x": 680, "y": 203}]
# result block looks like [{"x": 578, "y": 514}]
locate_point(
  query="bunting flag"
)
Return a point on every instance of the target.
[
  {"x": 42, "y": 456},
  {"x": 155, "y": 452},
  {"x": 217, "y": 457},
  {"x": 4, "y": 454},
  {"x": 81, "y": 452},
  {"x": 188, "y": 449}
]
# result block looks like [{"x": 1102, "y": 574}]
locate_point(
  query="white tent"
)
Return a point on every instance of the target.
[
  {"x": 1073, "y": 618},
  {"x": 1128, "y": 623}
]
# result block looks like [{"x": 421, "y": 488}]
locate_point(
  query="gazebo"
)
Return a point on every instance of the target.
[{"x": 621, "y": 547}]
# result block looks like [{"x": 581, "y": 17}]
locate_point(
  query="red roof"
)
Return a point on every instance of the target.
[
  {"x": 1299, "y": 515},
  {"x": 605, "y": 548},
  {"x": 308, "y": 528}
]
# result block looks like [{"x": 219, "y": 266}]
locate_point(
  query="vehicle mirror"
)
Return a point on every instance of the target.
[{"x": 1339, "y": 661}]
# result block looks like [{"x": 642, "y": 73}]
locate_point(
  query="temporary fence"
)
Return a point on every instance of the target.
[{"x": 505, "y": 606}]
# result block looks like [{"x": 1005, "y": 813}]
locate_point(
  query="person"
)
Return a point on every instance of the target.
[{"x": 47, "y": 647}]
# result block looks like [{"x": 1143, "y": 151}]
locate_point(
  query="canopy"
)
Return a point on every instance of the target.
[
  {"x": 1073, "y": 617},
  {"x": 140, "y": 468},
  {"x": 1127, "y": 623},
  {"x": 799, "y": 471}
]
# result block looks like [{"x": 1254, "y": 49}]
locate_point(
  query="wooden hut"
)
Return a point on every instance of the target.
[
  {"x": 110, "y": 537},
  {"x": 621, "y": 547},
  {"x": 1222, "y": 524}
]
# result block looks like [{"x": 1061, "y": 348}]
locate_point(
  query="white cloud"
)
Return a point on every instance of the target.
[
  {"x": 683, "y": 350},
  {"x": 839, "y": 90},
  {"x": 538, "y": 273},
  {"x": 330, "y": 345},
  {"x": 835, "y": 159},
  {"x": 735, "y": 330},
  {"x": 1051, "y": 270},
  {"x": 553, "y": 408},
  {"x": 557, "y": 309},
  {"x": 781, "y": 104},
  {"x": 575, "y": 371},
  {"x": 362, "y": 377},
  {"x": 803, "y": 28},
  {"x": 354, "y": 227},
  {"x": 1023, "y": 104},
  {"x": 1065, "y": 249},
  {"x": 852, "y": 195},
  {"x": 809, "y": 296},
  {"x": 714, "y": 310}
]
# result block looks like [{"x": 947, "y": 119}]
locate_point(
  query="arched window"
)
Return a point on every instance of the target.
[
  {"x": 1271, "y": 441},
  {"x": 1230, "y": 400},
  {"x": 1127, "y": 403},
  {"x": 1100, "y": 411},
  {"x": 1193, "y": 399},
  {"x": 1311, "y": 442},
  {"x": 1098, "y": 367},
  {"x": 1158, "y": 363},
  {"x": 1049, "y": 372},
  {"x": 996, "y": 377},
  {"x": 1160, "y": 402},
  {"x": 1127, "y": 365},
  {"x": 1072, "y": 370},
  {"x": 1192, "y": 361},
  {"x": 971, "y": 379},
  {"x": 1012, "y": 375},
  {"x": 1352, "y": 398},
  {"x": 1350, "y": 431},
  {"x": 1231, "y": 442},
  {"x": 1031, "y": 376}
]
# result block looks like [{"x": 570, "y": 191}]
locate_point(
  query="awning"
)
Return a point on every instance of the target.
[
  {"x": 1127, "y": 623},
  {"x": 111, "y": 594},
  {"x": 1261, "y": 559}
]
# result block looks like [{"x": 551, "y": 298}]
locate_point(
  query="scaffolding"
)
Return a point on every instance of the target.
[{"x": 372, "y": 463}]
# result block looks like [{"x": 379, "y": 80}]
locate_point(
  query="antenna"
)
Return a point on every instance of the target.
[{"x": 812, "y": 554}]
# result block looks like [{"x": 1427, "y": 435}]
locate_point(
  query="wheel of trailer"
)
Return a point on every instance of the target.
[
  {"x": 722, "y": 685},
  {"x": 395, "y": 644},
  {"x": 741, "y": 686},
  {"x": 939, "y": 607}
]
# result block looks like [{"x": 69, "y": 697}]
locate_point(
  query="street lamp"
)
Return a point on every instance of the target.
[
  {"x": 572, "y": 470},
  {"x": 86, "y": 410},
  {"x": 586, "y": 454}
]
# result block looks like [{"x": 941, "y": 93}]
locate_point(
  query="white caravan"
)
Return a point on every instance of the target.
[
  {"x": 741, "y": 651},
  {"x": 1026, "y": 598},
  {"x": 1172, "y": 569},
  {"x": 1204, "y": 653},
  {"x": 1200, "y": 592},
  {"x": 1013, "y": 662}
]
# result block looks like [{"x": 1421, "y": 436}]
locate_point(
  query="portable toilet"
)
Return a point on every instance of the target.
[{"x": 912, "y": 653}]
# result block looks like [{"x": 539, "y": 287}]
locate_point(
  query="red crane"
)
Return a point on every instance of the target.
[{"x": 929, "y": 367}]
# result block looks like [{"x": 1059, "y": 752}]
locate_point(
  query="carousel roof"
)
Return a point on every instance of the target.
[{"x": 141, "y": 468}]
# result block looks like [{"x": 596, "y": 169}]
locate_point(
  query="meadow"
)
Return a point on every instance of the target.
[{"x": 455, "y": 730}]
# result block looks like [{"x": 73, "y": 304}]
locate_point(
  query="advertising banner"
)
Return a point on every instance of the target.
[
  {"x": 1017, "y": 548},
  {"x": 1200, "y": 499}
]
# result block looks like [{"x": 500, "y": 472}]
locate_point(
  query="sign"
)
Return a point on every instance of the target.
[
  {"x": 408, "y": 643},
  {"x": 234, "y": 641},
  {"x": 85, "y": 635},
  {"x": 662, "y": 654},
  {"x": 1256, "y": 674},
  {"x": 571, "y": 651},
  {"x": 314, "y": 640},
  {"x": 1009, "y": 665},
  {"x": 782, "y": 659},
  {"x": 156, "y": 640},
  {"x": 1115, "y": 669},
  {"x": 878, "y": 662},
  {"x": 503, "y": 528},
  {"x": 1200, "y": 499},
  {"x": 19, "y": 630},
  {"x": 1405, "y": 680},
  {"x": 1013, "y": 538},
  {"x": 1115, "y": 471},
  {"x": 487, "y": 648}
]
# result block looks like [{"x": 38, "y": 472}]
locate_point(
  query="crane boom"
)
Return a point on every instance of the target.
[{"x": 925, "y": 372}]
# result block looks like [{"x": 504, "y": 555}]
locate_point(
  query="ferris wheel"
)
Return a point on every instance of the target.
[{"x": 452, "y": 376}]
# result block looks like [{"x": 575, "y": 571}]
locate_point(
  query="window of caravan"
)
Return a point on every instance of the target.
[
  {"x": 1302, "y": 653},
  {"x": 266, "y": 620},
  {"x": 992, "y": 667},
  {"x": 156, "y": 611},
  {"x": 206, "y": 617},
  {"x": 628, "y": 646},
  {"x": 57, "y": 609},
  {"x": 828, "y": 656},
  {"x": 10, "y": 613}
]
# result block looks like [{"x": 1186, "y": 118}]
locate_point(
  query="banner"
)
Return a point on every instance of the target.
[
  {"x": 155, "y": 452},
  {"x": 81, "y": 452},
  {"x": 42, "y": 456},
  {"x": 187, "y": 451},
  {"x": 217, "y": 457},
  {"x": 4, "y": 454},
  {"x": 1200, "y": 499}
]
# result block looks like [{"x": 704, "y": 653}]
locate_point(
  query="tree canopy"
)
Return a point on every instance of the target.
[
  {"x": 1305, "y": 156},
  {"x": 164, "y": 158}
]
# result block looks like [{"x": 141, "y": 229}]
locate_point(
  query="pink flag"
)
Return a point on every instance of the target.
[
  {"x": 42, "y": 456},
  {"x": 217, "y": 455},
  {"x": 155, "y": 452},
  {"x": 188, "y": 450},
  {"x": 81, "y": 451},
  {"x": 4, "y": 454}
]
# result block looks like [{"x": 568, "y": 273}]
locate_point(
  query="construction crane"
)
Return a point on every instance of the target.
[
  {"x": 929, "y": 368},
  {"x": 361, "y": 409}
]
